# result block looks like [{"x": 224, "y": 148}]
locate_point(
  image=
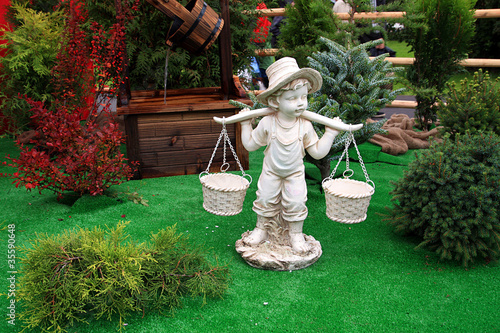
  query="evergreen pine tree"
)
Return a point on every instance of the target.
[
  {"x": 440, "y": 33},
  {"x": 473, "y": 105},
  {"x": 307, "y": 20},
  {"x": 355, "y": 88}
]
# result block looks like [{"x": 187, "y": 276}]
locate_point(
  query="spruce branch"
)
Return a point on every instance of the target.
[{"x": 354, "y": 89}]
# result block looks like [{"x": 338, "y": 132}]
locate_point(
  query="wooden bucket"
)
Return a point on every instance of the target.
[{"x": 195, "y": 27}]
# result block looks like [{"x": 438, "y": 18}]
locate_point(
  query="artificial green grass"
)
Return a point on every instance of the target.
[{"x": 368, "y": 279}]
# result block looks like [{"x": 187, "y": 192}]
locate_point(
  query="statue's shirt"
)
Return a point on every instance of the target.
[{"x": 282, "y": 179}]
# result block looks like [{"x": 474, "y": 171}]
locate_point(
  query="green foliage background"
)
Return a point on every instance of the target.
[
  {"x": 31, "y": 52},
  {"x": 147, "y": 51},
  {"x": 305, "y": 22}
]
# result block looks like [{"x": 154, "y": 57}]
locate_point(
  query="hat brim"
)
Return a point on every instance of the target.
[{"x": 312, "y": 75}]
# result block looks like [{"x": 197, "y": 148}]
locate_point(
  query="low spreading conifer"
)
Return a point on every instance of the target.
[{"x": 85, "y": 275}]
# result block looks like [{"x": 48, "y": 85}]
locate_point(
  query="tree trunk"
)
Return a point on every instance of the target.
[
  {"x": 124, "y": 93},
  {"x": 425, "y": 112},
  {"x": 324, "y": 167}
]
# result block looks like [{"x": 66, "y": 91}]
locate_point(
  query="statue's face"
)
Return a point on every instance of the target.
[{"x": 292, "y": 103}]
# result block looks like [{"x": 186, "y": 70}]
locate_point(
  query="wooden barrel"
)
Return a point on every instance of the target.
[{"x": 195, "y": 27}]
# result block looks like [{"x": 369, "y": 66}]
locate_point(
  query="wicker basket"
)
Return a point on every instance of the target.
[
  {"x": 347, "y": 200},
  {"x": 224, "y": 193}
]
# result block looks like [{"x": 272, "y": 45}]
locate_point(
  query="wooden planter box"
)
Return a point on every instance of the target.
[{"x": 179, "y": 136}]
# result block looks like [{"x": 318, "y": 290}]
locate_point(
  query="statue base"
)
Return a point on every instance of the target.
[{"x": 278, "y": 257}]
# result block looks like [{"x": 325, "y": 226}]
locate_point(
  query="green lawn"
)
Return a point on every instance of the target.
[
  {"x": 402, "y": 50},
  {"x": 368, "y": 279}
]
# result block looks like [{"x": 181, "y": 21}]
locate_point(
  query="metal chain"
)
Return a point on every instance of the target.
[
  {"x": 223, "y": 134},
  {"x": 346, "y": 153},
  {"x": 346, "y": 149},
  {"x": 361, "y": 160},
  {"x": 235, "y": 156},
  {"x": 224, "y": 167}
]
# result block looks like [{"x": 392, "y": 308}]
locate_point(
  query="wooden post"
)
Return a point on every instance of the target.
[
  {"x": 226, "y": 62},
  {"x": 172, "y": 9},
  {"x": 124, "y": 93}
]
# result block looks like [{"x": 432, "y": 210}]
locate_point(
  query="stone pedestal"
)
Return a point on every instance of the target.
[{"x": 278, "y": 257}]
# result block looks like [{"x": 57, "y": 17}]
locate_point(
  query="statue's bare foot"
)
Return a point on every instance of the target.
[
  {"x": 299, "y": 243},
  {"x": 257, "y": 236}
]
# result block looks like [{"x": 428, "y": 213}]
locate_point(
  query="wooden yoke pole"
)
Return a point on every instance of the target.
[{"x": 311, "y": 116}]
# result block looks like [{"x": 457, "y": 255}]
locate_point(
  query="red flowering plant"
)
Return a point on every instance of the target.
[
  {"x": 67, "y": 156},
  {"x": 109, "y": 49},
  {"x": 73, "y": 77},
  {"x": 72, "y": 151}
]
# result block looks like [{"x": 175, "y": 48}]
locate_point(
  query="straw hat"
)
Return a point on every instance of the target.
[{"x": 285, "y": 71}]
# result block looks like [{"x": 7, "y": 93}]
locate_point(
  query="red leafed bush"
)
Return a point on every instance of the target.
[
  {"x": 72, "y": 74},
  {"x": 68, "y": 155},
  {"x": 70, "y": 152}
]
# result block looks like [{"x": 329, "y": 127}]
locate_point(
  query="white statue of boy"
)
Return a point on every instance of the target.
[{"x": 282, "y": 186}]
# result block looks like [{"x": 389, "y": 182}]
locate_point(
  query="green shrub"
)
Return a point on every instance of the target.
[
  {"x": 95, "y": 273},
  {"x": 31, "y": 52},
  {"x": 449, "y": 197},
  {"x": 473, "y": 105}
]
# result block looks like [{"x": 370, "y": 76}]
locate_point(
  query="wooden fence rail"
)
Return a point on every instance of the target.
[
  {"x": 478, "y": 62},
  {"x": 479, "y": 13}
]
